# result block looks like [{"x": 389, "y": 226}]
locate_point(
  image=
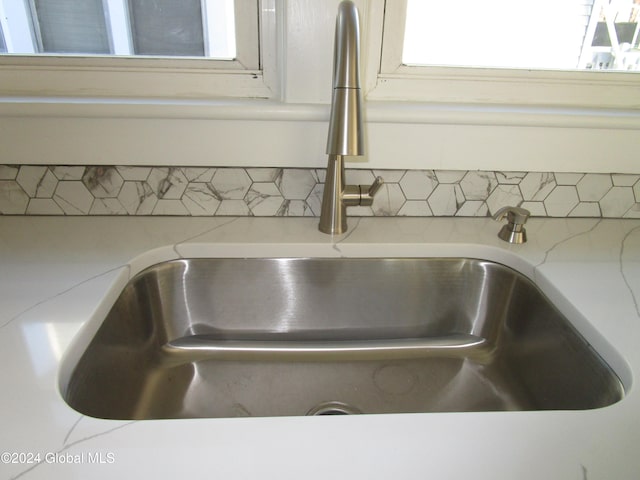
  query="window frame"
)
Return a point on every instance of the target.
[
  {"x": 248, "y": 75},
  {"x": 482, "y": 86}
]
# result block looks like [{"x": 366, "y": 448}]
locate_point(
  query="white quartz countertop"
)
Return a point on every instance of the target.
[{"x": 59, "y": 274}]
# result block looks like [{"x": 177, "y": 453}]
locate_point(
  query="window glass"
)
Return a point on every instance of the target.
[
  {"x": 168, "y": 28},
  {"x": 545, "y": 34},
  {"x": 69, "y": 26}
]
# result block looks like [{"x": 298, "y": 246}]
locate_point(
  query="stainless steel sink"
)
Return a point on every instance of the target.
[{"x": 271, "y": 337}]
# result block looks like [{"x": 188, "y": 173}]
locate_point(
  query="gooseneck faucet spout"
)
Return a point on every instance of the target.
[{"x": 346, "y": 132}]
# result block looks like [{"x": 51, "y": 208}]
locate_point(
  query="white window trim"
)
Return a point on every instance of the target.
[
  {"x": 482, "y": 86},
  {"x": 114, "y": 77}
]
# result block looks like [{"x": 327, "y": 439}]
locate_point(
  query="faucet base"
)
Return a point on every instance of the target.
[
  {"x": 333, "y": 214},
  {"x": 337, "y": 196}
]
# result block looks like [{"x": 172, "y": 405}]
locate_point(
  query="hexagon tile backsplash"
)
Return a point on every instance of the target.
[{"x": 184, "y": 191}]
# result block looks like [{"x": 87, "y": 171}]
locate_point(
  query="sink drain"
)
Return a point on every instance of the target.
[{"x": 333, "y": 408}]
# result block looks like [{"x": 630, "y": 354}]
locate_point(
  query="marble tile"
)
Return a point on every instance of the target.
[
  {"x": 624, "y": 180},
  {"x": 473, "y": 208},
  {"x": 8, "y": 172},
  {"x": 510, "y": 178},
  {"x": 537, "y": 209},
  {"x": 137, "y": 198},
  {"x": 107, "y": 206},
  {"x": 295, "y": 208},
  {"x": 168, "y": 183},
  {"x": 13, "y": 200},
  {"x": 617, "y": 202},
  {"x": 478, "y": 185},
  {"x": 200, "y": 199},
  {"x": 446, "y": 199},
  {"x": 561, "y": 201},
  {"x": 586, "y": 209},
  {"x": 388, "y": 201},
  {"x": 264, "y": 174},
  {"x": 198, "y": 175},
  {"x": 230, "y": 183},
  {"x": 535, "y": 186},
  {"x": 568, "y": 178},
  {"x": 315, "y": 199},
  {"x": 134, "y": 173},
  {"x": 30, "y": 177},
  {"x": 502, "y": 196},
  {"x": 593, "y": 186},
  {"x": 170, "y": 207},
  {"x": 272, "y": 191},
  {"x": 37, "y": 182},
  {"x": 320, "y": 174},
  {"x": 47, "y": 185},
  {"x": 264, "y": 199},
  {"x": 103, "y": 182},
  {"x": 415, "y": 208},
  {"x": 68, "y": 173},
  {"x": 73, "y": 198},
  {"x": 295, "y": 183},
  {"x": 233, "y": 208},
  {"x": 449, "y": 176},
  {"x": 418, "y": 184},
  {"x": 43, "y": 206},
  {"x": 633, "y": 212}
]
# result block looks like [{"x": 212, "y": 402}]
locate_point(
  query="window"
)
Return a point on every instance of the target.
[
  {"x": 190, "y": 28},
  {"x": 283, "y": 51},
  {"x": 135, "y": 48},
  {"x": 565, "y": 52},
  {"x": 555, "y": 34}
]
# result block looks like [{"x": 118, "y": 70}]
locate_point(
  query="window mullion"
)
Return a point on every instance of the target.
[
  {"x": 247, "y": 43},
  {"x": 117, "y": 16},
  {"x": 35, "y": 26},
  {"x": 17, "y": 27},
  {"x": 218, "y": 39},
  {"x": 206, "y": 27},
  {"x": 394, "y": 24}
]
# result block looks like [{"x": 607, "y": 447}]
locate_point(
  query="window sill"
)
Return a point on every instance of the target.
[
  {"x": 268, "y": 133},
  {"x": 134, "y": 78},
  {"x": 393, "y": 112}
]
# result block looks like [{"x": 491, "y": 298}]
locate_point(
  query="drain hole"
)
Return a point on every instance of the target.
[{"x": 333, "y": 408}]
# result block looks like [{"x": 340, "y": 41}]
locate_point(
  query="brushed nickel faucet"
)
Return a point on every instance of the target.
[{"x": 346, "y": 135}]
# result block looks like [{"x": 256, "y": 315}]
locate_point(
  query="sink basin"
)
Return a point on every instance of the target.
[{"x": 310, "y": 336}]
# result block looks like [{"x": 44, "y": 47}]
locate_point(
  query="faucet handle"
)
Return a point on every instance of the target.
[
  {"x": 367, "y": 193},
  {"x": 354, "y": 195},
  {"x": 375, "y": 186}
]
